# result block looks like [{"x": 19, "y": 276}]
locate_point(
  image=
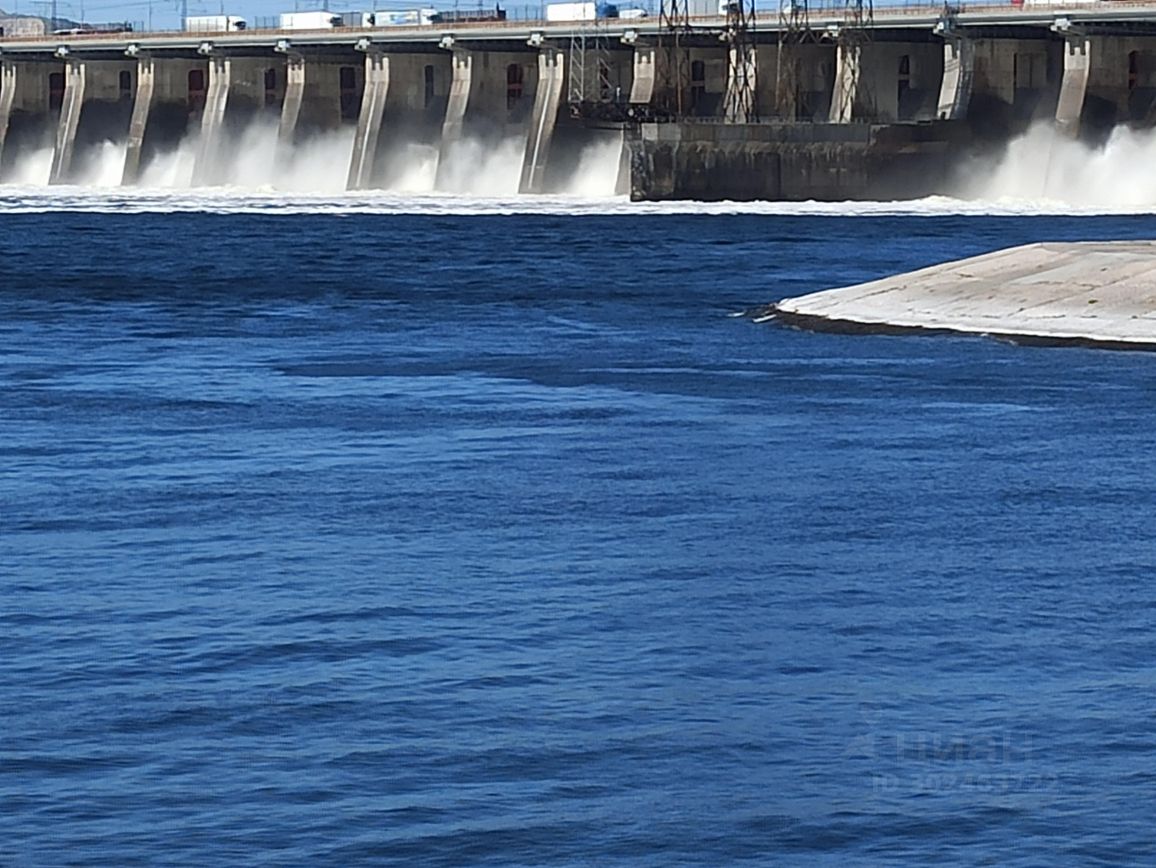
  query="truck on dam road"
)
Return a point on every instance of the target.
[
  {"x": 405, "y": 17},
  {"x": 215, "y": 24},
  {"x": 325, "y": 20}
]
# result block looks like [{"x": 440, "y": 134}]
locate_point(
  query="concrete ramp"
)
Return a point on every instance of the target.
[{"x": 1101, "y": 293}]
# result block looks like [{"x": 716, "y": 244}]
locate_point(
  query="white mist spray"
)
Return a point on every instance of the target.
[
  {"x": 1046, "y": 167},
  {"x": 31, "y": 168},
  {"x": 597, "y": 173},
  {"x": 475, "y": 169},
  {"x": 250, "y": 161}
]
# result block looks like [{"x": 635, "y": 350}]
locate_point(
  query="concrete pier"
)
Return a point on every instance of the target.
[
  {"x": 547, "y": 99},
  {"x": 1100, "y": 293},
  {"x": 367, "y": 138},
  {"x": 146, "y": 85},
  {"x": 1107, "y": 80},
  {"x": 291, "y": 105},
  {"x": 958, "y": 72},
  {"x": 75, "y": 73},
  {"x": 7, "y": 99},
  {"x": 1074, "y": 87},
  {"x": 645, "y": 76},
  {"x": 212, "y": 119},
  {"x": 236, "y": 93},
  {"x": 462, "y": 96}
]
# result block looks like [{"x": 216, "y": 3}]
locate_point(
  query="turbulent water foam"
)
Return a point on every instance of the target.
[
  {"x": 317, "y": 166},
  {"x": 1038, "y": 173},
  {"x": 1052, "y": 171}
]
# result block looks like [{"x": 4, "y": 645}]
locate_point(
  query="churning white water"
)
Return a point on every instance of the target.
[
  {"x": 597, "y": 172},
  {"x": 1045, "y": 167},
  {"x": 1038, "y": 173},
  {"x": 251, "y": 161}
]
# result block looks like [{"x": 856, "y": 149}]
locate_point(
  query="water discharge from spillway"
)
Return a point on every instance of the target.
[
  {"x": 1039, "y": 171},
  {"x": 1046, "y": 166},
  {"x": 251, "y": 161}
]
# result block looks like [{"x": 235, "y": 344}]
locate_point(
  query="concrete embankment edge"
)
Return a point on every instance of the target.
[{"x": 1094, "y": 294}]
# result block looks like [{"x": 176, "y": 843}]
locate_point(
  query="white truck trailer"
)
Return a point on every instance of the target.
[
  {"x": 313, "y": 20},
  {"x": 214, "y": 24},
  {"x": 580, "y": 11},
  {"x": 404, "y": 17}
]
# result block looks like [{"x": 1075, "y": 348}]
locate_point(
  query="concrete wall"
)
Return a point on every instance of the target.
[
  {"x": 108, "y": 98},
  {"x": 175, "y": 106},
  {"x": 804, "y": 94},
  {"x": 707, "y": 71},
  {"x": 899, "y": 81},
  {"x": 1121, "y": 85},
  {"x": 31, "y": 106},
  {"x": 409, "y": 114},
  {"x": 32, "y": 92},
  {"x": 788, "y": 161},
  {"x": 1014, "y": 82},
  {"x": 480, "y": 91}
]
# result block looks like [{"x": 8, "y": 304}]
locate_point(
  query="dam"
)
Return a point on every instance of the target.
[{"x": 804, "y": 102}]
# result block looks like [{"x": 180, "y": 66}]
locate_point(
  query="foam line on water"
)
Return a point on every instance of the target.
[{"x": 229, "y": 200}]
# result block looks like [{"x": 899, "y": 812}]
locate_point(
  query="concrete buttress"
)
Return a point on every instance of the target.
[
  {"x": 368, "y": 135},
  {"x": 295, "y": 72},
  {"x": 645, "y": 75},
  {"x": 75, "y": 72},
  {"x": 1074, "y": 86},
  {"x": 7, "y": 98},
  {"x": 543, "y": 119},
  {"x": 236, "y": 86},
  {"x": 138, "y": 124},
  {"x": 453, "y": 127},
  {"x": 958, "y": 71},
  {"x": 212, "y": 119}
]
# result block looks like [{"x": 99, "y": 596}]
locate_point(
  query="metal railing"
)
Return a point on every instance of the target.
[{"x": 519, "y": 18}]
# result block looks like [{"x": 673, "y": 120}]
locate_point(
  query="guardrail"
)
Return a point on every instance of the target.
[{"x": 819, "y": 17}]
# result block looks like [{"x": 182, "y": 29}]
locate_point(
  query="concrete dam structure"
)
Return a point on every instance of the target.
[{"x": 805, "y": 104}]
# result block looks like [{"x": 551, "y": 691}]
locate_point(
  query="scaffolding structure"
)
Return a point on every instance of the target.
[
  {"x": 589, "y": 91},
  {"x": 673, "y": 58},
  {"x": 741, "y": 104},
  {"x": 854, "y": 33},
  {"x": 794, "y": 31}
]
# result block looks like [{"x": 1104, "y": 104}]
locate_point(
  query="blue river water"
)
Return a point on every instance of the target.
[{"x": 443, "y": 540}]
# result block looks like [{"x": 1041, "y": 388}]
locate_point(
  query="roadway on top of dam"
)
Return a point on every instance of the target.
[{"x": 1106, "y": 15}]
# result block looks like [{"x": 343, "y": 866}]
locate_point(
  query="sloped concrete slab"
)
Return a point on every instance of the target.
[{"x": 1100, "y": 293}]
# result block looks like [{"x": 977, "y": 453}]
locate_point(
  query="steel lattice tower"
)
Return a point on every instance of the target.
[{"x": 741, "y": 105}]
